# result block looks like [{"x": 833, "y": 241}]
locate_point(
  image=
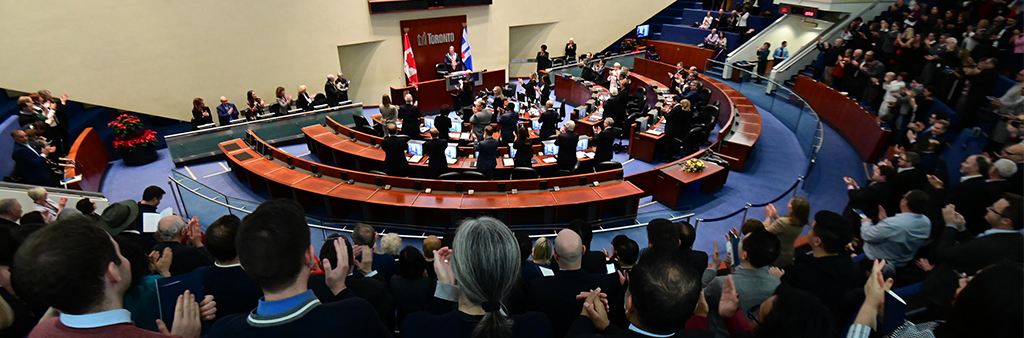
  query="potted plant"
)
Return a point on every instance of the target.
[
  {"x": 137, "y": 145},
  {"x": 629, "y": 45}
]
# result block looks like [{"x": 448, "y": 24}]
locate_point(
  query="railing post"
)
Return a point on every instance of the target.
[
  {"x": 800, "y": 181},
  {"x": 745, "y": 210},
  {"x": 175, "y": 193}
]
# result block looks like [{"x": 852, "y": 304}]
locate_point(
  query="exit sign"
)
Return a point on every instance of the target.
[{"x": 798, "y": 10}]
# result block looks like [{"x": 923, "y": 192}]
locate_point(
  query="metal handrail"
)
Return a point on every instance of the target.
[
  {"x": 83, "y": 193},
  {"x": 576, "y": 64},
  {"x": 808, "y": 48},
  {"x": 756, "y": 36}
]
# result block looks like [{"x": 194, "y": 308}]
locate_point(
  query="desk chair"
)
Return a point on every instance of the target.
[
  {"x": 524, "y": 173},
  {"x": 561, "y": 109},
  {"x": 441, "y": 69},
  {"x": 470, "y": 175},
  {"x": 703, "y": 97},
  {"x": 360, "y": 120},
  {"x": 608, "y": 165},
  {"x": 454, "y": 175},
  {"x": 557, "y": 62},
  {"x": 378, "y": 172},
  {"x": 368, "y": 130},
  {"x": 693, "y": 140},
  {"x": 582, "y": 168}
]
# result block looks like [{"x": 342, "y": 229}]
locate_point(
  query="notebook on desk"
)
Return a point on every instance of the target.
[
  {"x": 464, "y": 136},
  {"x": 452, "y": 160},
  {"x": 414, "y": 158},
  {"x": 508, "y": 162},
  {"x": 655, "y": 132},
  {"x": 550, "y": 160}
]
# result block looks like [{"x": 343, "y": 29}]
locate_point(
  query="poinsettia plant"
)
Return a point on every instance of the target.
[
  {"x": 130, "y": 133},
  {"x": 629, "y": 44}
]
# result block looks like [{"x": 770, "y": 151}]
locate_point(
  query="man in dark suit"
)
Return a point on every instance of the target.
[
  {"x": 604, "y": 138},
  {"x": 828, "y": 272},
  {"x": 383, "y": 264},
  {"x": 879, "y": 192},
  {"x": 593, "y": 261},
  {"x": 566, "y": 143},
  {"x": 434, "y": 149},
  {"x": 543, "y": 58},
  {"x": 394, "y": 146},
  {"x": 331, "y": 90},
  {"x": 233, "y": 290},
  {"x": 1015, "y": 153},
  {"x": 968, "y": 196},
  {"x": 556, "y": 295},
  {"x": 10, "y": 213},
  {"x": 30, "y": 162},
  {"x": 908, "y": 177},
  {"x": 548, "y": 123},
  {"x": 662, "y": 296},
  {"x": 488, "y": 149},
  {"x": 187, "y": 257},
  {"x": 443, "y": 123},
  {"x": 343, "y": 85},
  {"x": 614, "y": 107},
  {"x": 687, "y": 235},
  {"x": 509, "y": 121},
  {"x": 410, "y": 115},
  {"x": 1002, "y": 241}
]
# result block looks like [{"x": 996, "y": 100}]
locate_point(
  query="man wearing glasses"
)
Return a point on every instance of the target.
[{"x": 1002, "y": 241}]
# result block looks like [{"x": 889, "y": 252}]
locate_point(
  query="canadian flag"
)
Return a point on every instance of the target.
[{"x": 410, "y": 61}]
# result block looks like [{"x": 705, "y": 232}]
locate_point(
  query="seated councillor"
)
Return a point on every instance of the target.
[
  {"x": 226, "y": 112},
  {"x": 225, "y": 280},
  {"x": 395, "y": 146},
  {"x": 566, "y": 142},
  {"x": 279, "y": 257},
  {"x": 756, "y": 250},
  {"x": 486, "y": 264},
  {"x": 91, "y": 306},
  {"x": 171, "y": 231},
  {"x": 434, "y": 149},
  {"x": 488, "y": 150}
]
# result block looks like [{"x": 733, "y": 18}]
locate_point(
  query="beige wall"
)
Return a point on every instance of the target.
[{"x": 155, "y": 56}]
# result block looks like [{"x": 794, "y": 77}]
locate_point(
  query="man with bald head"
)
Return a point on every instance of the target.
[
  {"x": 556, "y": 295},
  {"x": 171, "y": 232},
  {"x": 226, "y": 111},
  {"x": 10, "y": 212}
]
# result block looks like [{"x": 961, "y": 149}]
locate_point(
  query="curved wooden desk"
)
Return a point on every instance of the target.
[
  {"x": 846, "y": 116},
  {"x": 344, "y": 195},
  {"x": 342, "y": 146},
  {"x": 91, "y": 160},
  {"x": 738, "y": 119},
  {"x": 673, "y": 53}
]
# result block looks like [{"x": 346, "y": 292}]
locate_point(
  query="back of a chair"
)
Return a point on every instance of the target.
[
  {"x": 367, "y": 130},
  {"x": 450, "y": 176},
  {"x": 470, "y": 175},
  {"x": 608, "y": 165},
  {"x": 523, "y": 173},
  {"x": 704, "y": 96},
  {"x": 360, "y": 121},
  {"x": 693, "y": 140}
]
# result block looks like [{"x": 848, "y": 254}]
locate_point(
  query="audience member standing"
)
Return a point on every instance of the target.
[
  {"x": 233, "y": 290},
  {"x": 277, "y": 254},
  {"x": 556, "y": 295},
  {"x": 394, "y": 146},
  {"x": 409, "y": 112},
  {"x": 187, "y": 257},
  {"x": 757, "y": 250},
  {"x": 896, "y": 239},
  {"x": 331, "y": 90},
  {"x": 487, "y": 148},
  {"x": 828, "y": 272},
  {"x": 787, "y": 228},
  {"x": 485, "y": 264},
  {"x": 434, "y": 150},
  {"x": 566, "y": 143}
]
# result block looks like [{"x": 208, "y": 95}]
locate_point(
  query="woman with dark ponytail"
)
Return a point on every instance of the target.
[{"x": 473, "y": 284}]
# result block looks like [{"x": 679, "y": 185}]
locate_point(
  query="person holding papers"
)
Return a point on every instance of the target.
[
  {"x": 150, "y": 200},
  {"x": 487, "y": 149},
  {"x": 434, "y": 149},
  {"x": 566, "y": 142}
]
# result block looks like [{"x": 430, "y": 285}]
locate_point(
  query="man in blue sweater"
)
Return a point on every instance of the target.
[{"x": 274, "y": 248}]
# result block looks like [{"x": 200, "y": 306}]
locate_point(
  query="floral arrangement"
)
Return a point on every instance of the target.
[
  {"x": 693, "y": 166},
  {"x": 629, "y": 44},
  {"x": 130, "y": 133}
]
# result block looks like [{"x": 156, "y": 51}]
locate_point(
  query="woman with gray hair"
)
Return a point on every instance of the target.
[
  {"x": 42, "y": 203},
  {"x": 478, "y": 278}
]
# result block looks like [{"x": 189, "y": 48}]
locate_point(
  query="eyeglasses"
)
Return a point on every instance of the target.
[
  {"x": 993, "y": 210},
  {"x": 752, "y": 314}
]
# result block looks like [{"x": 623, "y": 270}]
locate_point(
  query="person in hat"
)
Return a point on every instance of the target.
[{"x": 116, "y": 219}]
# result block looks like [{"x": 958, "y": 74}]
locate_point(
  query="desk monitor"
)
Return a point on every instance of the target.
[
  {"x": 476, "y": 154},
  {"x": 456, "y": 125},
  {"x": 642, "y": 122},
  {"x": 428, "y": 121},
  {"x": 512, "y": 150},
  {"x": 452, "y": 151},
  {"x": 583, "y": 143},
  {"x": 535, "y": 123},
  {"x": 549, "y": 147},
  {"x": 416, "y": 147},
  {"x": 642, "y": 31}
]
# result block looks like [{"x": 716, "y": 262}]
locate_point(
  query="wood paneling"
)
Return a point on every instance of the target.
[
  {"x": 855, "y": 124},
  {"x": 91, "y": 161}
]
